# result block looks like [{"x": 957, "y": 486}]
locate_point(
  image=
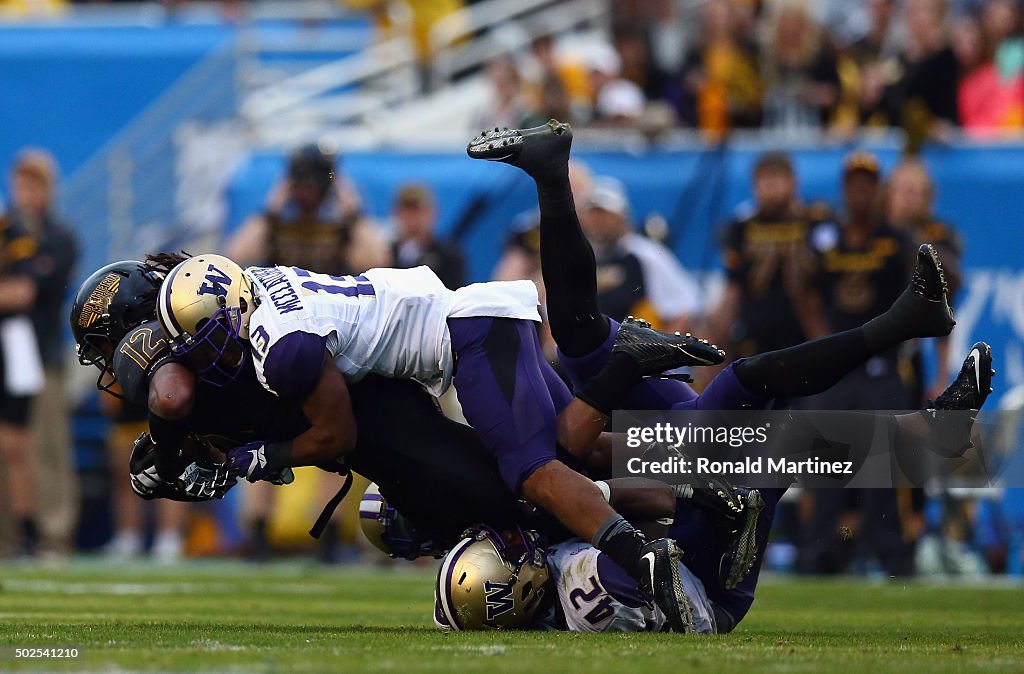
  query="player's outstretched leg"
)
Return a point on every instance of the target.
[{"x": 922, "y": 310}]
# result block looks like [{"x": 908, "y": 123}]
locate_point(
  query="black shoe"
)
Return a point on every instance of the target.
[
  {"x": 537, "y": 151},
  {"x": 951, "y": 416},
  {"x": 923, "y": 308},
  {"x": 742, "y": 554},
  {"x": 972, "y": 386},
  {"x": 733, "y": 509},
  {"x": 655, "y": 352},
  {"x": 659, "y": 563}
]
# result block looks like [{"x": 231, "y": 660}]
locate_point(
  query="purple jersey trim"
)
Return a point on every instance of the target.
[
  {"x": 618, "y": 583},
  {"x": 292, "y": 366}
]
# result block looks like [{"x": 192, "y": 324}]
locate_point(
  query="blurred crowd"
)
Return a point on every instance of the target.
[{"x": 927, "y": 66}]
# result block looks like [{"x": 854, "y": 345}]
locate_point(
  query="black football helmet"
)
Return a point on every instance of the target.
[
  {"x": 111, "y": 302},
  {"x": 311, "y": 164}
]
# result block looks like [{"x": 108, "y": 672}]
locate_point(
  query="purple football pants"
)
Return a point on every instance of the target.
[{"x": 510, "y": 394}]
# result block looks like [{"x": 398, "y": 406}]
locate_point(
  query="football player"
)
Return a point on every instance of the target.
[
  {"x": 510, "y": 580},
  {"x": 433, "y": 468},
  {"x": 310, "y": 332},
  {"x": 604, "y": 381}
]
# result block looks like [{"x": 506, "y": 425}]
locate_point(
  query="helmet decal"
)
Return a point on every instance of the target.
[
  {"x": 216, "y": 282},
  {"x": 99, "y": 300},
  {"x": 499, "y": 599}
]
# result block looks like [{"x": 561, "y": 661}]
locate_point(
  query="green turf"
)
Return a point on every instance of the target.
[{"x": 289, "y": 618}]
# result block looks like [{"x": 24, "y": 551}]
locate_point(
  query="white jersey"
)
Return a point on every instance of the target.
[
  {"x": 589, "y": 605},
  {"x": 391, "y": 322}
]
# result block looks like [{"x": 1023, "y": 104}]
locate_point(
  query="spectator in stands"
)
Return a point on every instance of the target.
[
  {"x": 313, "y": 220},
  {"x": 910, "y": 197},
  {"x": 506, "y": 106},
  {"x": 415, "y": 214},
  {"x": 33, "y": 190},
  {"x": 767, "y": 303},
  {"x": 551, "y": 102},
  {"x": 923, "y": 100},
  {"x": 799, "y": 67},
  {"x": 634, "y": 49},
  {"x": 991, "y": 92},
  {"x": 615, "y": 101},
  {"x": 873, "y": 56},
  {"x": 635, "y": 275},
  {"x": 720, "y": 88},
  {"x": 21, "y": 378},
  {"x": 545, "y": 71}
]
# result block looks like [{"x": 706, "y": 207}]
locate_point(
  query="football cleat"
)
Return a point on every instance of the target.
[
  {"x": 655, "y": 351},
  {"x": 973, "y": 385},
  {"x": 923, "y": 310},
  {"x": 536, "y": 151},
  {"x": 659, "y": 563},
  {"x": 950, "y": 430},
  {"x": 733, "y": 509},
  {"x": 742, "y": 554}
]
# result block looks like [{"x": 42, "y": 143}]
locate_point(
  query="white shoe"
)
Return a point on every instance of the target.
[
  {"x": 168, "y": 548},
  {"x": 125, "y": 545}
]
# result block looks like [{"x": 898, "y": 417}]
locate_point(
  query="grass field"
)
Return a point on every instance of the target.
[{"x": 292, "y": 618}]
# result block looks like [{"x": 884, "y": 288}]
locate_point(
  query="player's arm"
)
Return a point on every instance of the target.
[
  {"x": 332, "y": 430},
  {"x": 299, "y": 367}
]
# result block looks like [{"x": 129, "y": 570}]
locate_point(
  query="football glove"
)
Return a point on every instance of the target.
[
  {"x": 203, "y": 482},
  {"x": 206, "y": 482},
  {"x": 250, "y": 460}
]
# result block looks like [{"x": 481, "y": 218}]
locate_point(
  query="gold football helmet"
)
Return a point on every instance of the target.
[
  {"x": 491, "y": 580},
  {"x": 204, "y": 308}
]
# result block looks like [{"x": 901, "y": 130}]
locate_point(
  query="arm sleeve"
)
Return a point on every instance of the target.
[{"x": 292, "y": 366}]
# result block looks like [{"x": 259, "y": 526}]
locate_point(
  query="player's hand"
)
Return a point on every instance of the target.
[
  {"x": 145, "y": 478},
  {"x": 250, "y": 460},
  {"x": 206, "y": 482}
]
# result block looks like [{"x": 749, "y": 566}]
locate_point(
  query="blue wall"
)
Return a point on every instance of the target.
[{"x": 71, "y": 89}]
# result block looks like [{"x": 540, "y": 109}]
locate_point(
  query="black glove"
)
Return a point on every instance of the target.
[{"x": 195, "y": 481}]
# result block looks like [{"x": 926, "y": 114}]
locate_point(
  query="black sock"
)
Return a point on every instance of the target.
[
  {"x": 805, "y": 369},
  {"x": 570, "y": 272},
  {"x": 622, "y": 543},
  {"x": 604, "y": 391}
]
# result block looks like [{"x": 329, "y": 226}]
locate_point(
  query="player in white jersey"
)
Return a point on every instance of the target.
[
  {"x": 507, "y": 580},
  {"x": 308, "y": 333}
]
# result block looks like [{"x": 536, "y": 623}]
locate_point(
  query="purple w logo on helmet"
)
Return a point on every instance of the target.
[
  {"x": 499, "y": 599},
  {"x": 216, "y": 282}
]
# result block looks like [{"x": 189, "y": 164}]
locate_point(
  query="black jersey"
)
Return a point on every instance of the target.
[
  {"x": 232, "y": 415},
  {"x": 435, "y": 471},
  {"x": 859, "y": 283},
  {"x": 771, "y": 261}
]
